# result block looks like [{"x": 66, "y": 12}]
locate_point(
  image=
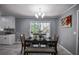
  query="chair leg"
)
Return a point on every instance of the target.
[
  {"x": 55, "y": 53},
  {"x": 25, "y": 53},
  {"x": 21, "y": 50},
  {"x": 52, "y": 53}
]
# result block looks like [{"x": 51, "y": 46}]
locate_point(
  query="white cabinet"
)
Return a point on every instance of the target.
[
  {"x": 7, "y": 39},
  {"x": 1, "y": 39},
  {"x": 7, "y": 22},
  {"x": 11, "y": 39},
  {"x": 10, "y": 22}
]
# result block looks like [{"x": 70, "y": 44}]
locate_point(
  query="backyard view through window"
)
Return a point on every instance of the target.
[{"x": 40, "y": 28}]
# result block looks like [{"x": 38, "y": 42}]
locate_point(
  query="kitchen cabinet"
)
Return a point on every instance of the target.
[
  {"x": 7, "y": 39},
  {"x": 7, "y": 22}
]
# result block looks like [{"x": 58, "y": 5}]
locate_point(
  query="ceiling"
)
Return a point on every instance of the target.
[{"x": 24, "y": 10}]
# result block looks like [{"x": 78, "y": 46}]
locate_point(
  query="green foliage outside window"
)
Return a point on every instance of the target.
[{"x": 35, "y": 28}]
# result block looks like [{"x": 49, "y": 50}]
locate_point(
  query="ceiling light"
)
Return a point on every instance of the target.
[
  {"x": 36, "y": 15},
  {"x": 39, "y": 14},
  {"x": 43, "y": 15}
]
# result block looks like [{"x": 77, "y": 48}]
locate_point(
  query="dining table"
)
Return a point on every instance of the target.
[
  {"x": 46, "y": 48},
  {"x": 40, "y": 42}
]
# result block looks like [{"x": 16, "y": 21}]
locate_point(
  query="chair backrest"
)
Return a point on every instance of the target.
[
  {"x": 54, "y": 42},
  {"x": 22, "y": 38},
  {"x": 56, "y": 37}
]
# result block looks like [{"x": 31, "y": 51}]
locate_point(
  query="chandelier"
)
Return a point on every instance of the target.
[{"x": 39, "y": 14}]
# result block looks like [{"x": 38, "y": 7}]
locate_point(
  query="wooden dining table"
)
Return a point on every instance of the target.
[
  {"x": 40, "y": 41},
  {"x": 39, "y": 49}
]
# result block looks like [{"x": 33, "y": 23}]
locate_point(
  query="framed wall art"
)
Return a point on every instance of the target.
[{"x": 67, "y": 21}]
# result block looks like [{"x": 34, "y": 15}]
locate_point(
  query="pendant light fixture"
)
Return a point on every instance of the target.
[{"x": 39, "y": 14}]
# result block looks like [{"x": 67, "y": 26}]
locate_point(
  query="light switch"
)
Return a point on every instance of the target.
[{"x": 74, "y": 33}]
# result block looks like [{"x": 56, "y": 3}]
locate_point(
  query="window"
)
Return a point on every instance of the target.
[{"x": 40, "y": 27}]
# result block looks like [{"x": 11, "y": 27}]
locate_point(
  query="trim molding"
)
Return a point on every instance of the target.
[
  {"x": 77, "y": 34},
  {"x": 67, "y": 10},
  {"x": 65, "y": 50},
  {"x": 70, "y": 8}
]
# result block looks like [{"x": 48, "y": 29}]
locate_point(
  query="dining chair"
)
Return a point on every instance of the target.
[
  {"x": 24, "y": 44},
  {"x": 56, "y": 39},
  {"x": 22, "y": 38},
  {"x": 53, "y": 44}
]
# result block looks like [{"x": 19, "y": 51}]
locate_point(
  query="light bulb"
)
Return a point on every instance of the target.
[
  {"x": 21, "y": 34},
  {"x": 36, "y": 15},
  {"x": 39, "y": 13},
  {"x": 43, "y": 15}
]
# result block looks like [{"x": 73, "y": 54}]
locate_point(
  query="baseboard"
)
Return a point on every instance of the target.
[{"x": 65, "y": 50}]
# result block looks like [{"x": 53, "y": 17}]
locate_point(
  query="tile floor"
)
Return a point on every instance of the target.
[{"x": 16, "y": 48}]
